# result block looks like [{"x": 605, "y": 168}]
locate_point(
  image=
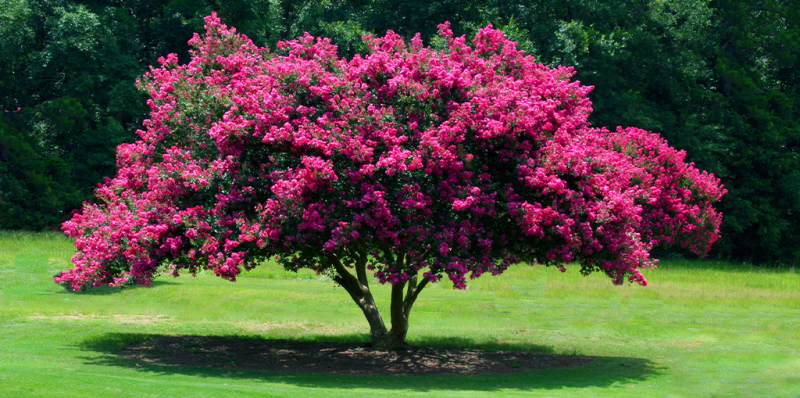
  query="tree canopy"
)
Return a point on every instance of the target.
[{"x": 413, "y": 162}]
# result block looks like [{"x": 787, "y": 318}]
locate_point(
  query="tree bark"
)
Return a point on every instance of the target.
[{"x": 358, "y": 288}]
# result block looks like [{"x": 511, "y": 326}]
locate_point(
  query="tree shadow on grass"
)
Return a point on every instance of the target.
[{"x": 345, "y": 360}]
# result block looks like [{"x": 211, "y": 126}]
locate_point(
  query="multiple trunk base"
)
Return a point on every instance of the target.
[
  {"x": 391, "y": 340},
  {"x": 358, "y": 288}
]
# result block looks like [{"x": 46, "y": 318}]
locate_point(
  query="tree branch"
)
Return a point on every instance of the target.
[
  {"x": 399, "y": 318},
  {"x": 401, "y": 260},
  {"x": 388, "y": 254},
  {"x": 412, "y": 285},
  {"x": 361, "y": 269},
  {"x": 360, "y": 294},
  {"x": 412, "y": 294},
  {"x": 346, "y": 279}
]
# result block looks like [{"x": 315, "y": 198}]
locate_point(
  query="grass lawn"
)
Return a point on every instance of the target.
[{"x": 700, "y": 329}]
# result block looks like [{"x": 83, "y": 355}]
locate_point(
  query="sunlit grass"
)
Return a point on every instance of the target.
[{"x": 699, "y": 329}]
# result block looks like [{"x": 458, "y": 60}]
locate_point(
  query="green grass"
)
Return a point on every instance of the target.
[{"x": 700, "y": 329}]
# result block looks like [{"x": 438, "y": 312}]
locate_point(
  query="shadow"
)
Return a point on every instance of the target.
[
  {"x": 431, "y": 364},
  {"x": 469, "y": 344},
  {"x": 108, "y": 290}
]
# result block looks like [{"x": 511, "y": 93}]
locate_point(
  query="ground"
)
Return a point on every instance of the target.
[
  {"x": 336, "y": 358},
  {"x": 699, "y": 329}
]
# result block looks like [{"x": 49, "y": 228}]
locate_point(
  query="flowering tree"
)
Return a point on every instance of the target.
[{"x": 411, "y": 163}]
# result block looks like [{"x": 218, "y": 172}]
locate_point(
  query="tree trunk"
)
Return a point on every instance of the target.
[
  {"x": 393, "y": 340},
  {"x": 358, "y": 288}
]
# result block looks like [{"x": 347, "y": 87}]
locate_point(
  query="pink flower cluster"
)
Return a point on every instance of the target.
[{"x": 451, "y": 162}]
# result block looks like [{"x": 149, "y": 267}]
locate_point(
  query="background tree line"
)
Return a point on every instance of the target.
[{"x": 720, "y": 79}]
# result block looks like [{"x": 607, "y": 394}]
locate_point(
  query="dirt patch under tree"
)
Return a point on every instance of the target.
[{"x": 339, "y": 358}]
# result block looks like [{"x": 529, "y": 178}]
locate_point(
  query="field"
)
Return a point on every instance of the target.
[{"x": 700, "y": 329}]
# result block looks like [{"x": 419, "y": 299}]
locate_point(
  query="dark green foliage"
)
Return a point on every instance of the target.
[
  {"x": 72, "y": 72},
  {"x": 30, "y": 181},
  {"x": 759, "y": 76},
  {"x": 718, "y": 78}
]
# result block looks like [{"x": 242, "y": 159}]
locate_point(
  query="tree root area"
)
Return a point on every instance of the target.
[{"x": 336, "y": 358}]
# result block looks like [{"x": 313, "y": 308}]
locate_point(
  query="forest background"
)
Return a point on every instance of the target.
[{"x": 719, "y": 79}]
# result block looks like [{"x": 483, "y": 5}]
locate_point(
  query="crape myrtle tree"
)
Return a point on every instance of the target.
[{"x": 410, "y": 163}]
